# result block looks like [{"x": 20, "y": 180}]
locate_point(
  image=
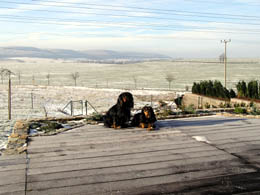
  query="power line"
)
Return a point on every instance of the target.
[
  {"x": 125, "y": 23},
  {"x": 154, "y": 9},
  {"x": 131, "y": 16},
  {"x": 223, "y": 2},
  {"x": 81, "y": 24}
]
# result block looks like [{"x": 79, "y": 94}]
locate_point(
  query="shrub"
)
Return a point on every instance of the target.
[
  {"x": 162, "y": 103},
  {"x": 232, "y": 93},
  {"x": 241, "y": 89},
  {"x": 251, "y": 104},
  {"x": 95, "y": 117},
  {"x": 207, "y": 105},
  {"x": 221, "y": 105},
  {"x": 227, "y": 105},
  {"x": 243, "y": 104},
  {"x": 166, "y": 112},
  {"x": 212, "y": 89},
  {"x": 252, "y": 89},
  {"x": 190, "y": 109},
  {"x": 254, "y": 110},
  {"x": 239, "y": 110},
  {"x": 236, "y": 105}
]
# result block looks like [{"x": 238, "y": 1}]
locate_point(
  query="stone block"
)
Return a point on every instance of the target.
[{"x": 21, "y": 125}]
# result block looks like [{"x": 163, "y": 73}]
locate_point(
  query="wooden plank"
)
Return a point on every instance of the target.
[
  {"x": 238, "y": 184},
  {"x": 178, "y": 149},
  {"x": 13, "y": 193},
  {"x": 116, "y": 163},
  {"x": 206, "y": 164},
  {"x": 17, "y": 177},
  {"x": 245, "y": 140},
  {"x": 108, "y": 187},
  {"x": 221, "y": 131},
  {"x": 220, "y": 128},
  {"x": 9, "y": 157},
  {"x": 12, "y": 161},
  {"x": 12, "y": 167},
  {"x": 8, "y": 173},
  {"x": 96, "y": 144},
  {"x": 12, "y": 188},
  {"x": 122, "y": 176},
  {"x": 97, "y": 148},
  {"x": 106, "y": 139},
  {"x": 130, "y": 157}
]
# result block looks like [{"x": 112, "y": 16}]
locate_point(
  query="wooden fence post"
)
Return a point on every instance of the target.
[
  {"x": 86, "y": 107},
  {"x": 9, "y": 99}
]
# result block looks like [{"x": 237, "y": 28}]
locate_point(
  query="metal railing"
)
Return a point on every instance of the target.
[{"x": 70, "y": 108}]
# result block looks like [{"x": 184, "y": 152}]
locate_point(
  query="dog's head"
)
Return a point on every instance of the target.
[
  {"x": 126, "y": 99},
  {"x": 148, "y": 112}
]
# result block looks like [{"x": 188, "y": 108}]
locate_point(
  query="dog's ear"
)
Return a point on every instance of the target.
[
  {"x": 120, "y": 100},
  {"x": 142, "y": 111}
]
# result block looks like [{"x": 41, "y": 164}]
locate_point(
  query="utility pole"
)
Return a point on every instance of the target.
[{"x": 225, "y": 59}]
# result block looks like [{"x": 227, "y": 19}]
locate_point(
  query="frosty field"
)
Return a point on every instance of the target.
[{"x": 130, "y": 76}]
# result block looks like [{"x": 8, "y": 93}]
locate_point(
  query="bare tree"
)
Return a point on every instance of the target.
[
  {"x": 222, "y": 58},
  {"x": 48, "y": 76},
  {"x": 75, "y": 76},
  {"x": 169, "y": 77}
]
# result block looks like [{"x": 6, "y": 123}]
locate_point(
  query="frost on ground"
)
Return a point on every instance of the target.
[
  {"x": 201, "y": 139},
  {"x": 39, "y": 101}
]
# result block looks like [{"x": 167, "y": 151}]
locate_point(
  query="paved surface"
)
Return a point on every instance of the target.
[{"x": 209, "y": 155}]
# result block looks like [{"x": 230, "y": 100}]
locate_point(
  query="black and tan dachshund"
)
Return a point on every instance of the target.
[
  {"x": 145, "y": 119},
  {"x": 119, "y": 115}
]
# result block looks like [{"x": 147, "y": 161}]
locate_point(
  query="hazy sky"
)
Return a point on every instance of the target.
[{"x": 178, "y": 28}]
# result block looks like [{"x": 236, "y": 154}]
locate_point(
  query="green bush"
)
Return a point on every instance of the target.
[
  {"x": 207, "y": 105},
  {"x": 190, "y": 109},
  {"x": 254, "y": 110},
  {"x": 236, "y": 105},
  {"x": 221, "y": 105},
  {"x": 95, "y": 117},
  {"x": 252, "y": 90},
  {"x": 239, "y": 110},
  {"x": 227, "y": 105},
  {"x": 212, "y": 89}
]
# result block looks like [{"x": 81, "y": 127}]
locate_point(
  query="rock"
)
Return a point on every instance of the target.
[
  {"x": 14, "y": 135},
  {"x": 21, "y": 125},
  {"x": 24, "y": 136},
  {"x": 13, "y": 139},
  {"x": 21, "y": 149}
]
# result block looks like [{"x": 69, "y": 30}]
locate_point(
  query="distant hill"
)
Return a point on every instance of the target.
[{"x": 66, "y": 54}]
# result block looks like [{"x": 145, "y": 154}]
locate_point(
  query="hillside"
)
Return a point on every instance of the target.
[{"x": 66, "y": 54}]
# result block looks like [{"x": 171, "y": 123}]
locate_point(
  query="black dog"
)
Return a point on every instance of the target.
[
  {"x": 119, "y": 114},
  {"x": 145, "y": 119}
]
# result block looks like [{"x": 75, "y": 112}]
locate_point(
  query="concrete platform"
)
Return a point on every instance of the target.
[{"x": 209, "y": 155}]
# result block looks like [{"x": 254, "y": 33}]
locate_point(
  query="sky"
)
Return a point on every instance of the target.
[{"x": 177, "y": 28}]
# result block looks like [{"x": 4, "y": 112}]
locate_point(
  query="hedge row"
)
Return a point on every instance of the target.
[
  {"x": 250, "y": 90},
  {"x": 213, "y": 89}
]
